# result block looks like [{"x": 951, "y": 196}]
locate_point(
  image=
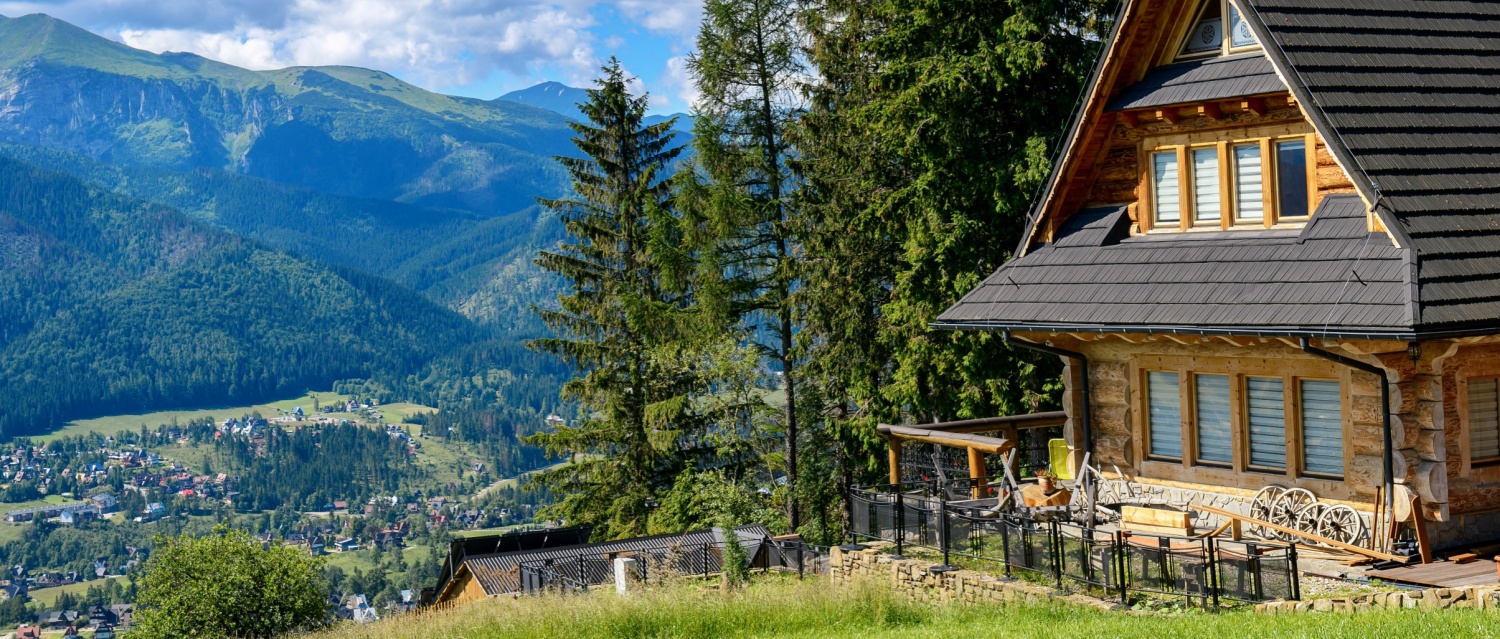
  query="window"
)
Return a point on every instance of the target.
[
  {"x": 1484, "y": 420},
  {"x": 1166, "y": 415},
  {"x": 1167, "y": 204},
  {"x": 1206, "y": 38},
  {"x": 1291, "y": 178},
  {"x": 1215, "y": 442},
  {"x": 1206, "y": 185},
  {"x": 1258, "y": 182},
  {"x": 1322, "y": 428},
  {"x": 1249, "y": 195},
  {"x": 1266, "y": 412}
]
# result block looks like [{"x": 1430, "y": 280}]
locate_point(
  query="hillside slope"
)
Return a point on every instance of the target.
[
  {"x": 339, "y": 130},
  {"x": 109, "y": 304}
]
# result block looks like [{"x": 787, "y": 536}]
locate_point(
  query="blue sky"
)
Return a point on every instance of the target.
[{"x": 478, "y": 48}]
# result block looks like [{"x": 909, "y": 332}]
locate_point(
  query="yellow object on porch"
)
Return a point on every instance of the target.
[{"x": 1057, "y": 456}]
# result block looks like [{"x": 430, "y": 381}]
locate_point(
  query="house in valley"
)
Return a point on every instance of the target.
[{"x": 1269, "y": 253}]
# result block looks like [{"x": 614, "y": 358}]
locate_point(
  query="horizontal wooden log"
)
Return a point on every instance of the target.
[
  {"x": 1293, "y": 531},
  {"x": 1156, "y": 517},
  {"x": 986, "y": 445}
]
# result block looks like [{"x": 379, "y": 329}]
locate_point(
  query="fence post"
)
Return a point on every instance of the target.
[
  {"x": 1122, "y": 566},
  {"x": 1291, "y": 568},
  {"x": 705, "y": 561},
  {"x": 900, "y": 522},
  {"x": 799, "y": 560},
  {"x": 1055, "y": 544},
  {"x": 1213, "y": 570},
  {"x": 1005, "y": 542},
  {"x": 943, "y": 524}
]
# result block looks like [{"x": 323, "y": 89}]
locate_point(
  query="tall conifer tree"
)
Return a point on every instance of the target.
[
  {"x": 746, "y": 68},
  {"x": 620, "y": 324}
]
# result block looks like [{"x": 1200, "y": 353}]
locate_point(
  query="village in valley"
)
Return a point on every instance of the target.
[{"x": 111, "y": 493}]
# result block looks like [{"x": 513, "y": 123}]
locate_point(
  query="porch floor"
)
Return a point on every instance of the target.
[{"x": 1442, "y": 574}]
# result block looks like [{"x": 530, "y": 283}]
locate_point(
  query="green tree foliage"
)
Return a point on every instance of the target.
[
  {"x": 926, "y": 139},
  {"x": 739, "y": 198},
  {"x": 619, "y": 324},
  {"x": 226, "y": 585}
]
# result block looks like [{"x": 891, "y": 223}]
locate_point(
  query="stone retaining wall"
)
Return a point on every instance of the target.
[
  {"x": 917, "y": 580},
  {"x": 1481, "y": 597}
]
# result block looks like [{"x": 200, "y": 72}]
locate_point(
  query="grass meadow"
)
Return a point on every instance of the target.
[{"x": 814, "y": 610}]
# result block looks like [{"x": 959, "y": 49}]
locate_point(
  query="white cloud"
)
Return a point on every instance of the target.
[{"x": 677, "y": 80}]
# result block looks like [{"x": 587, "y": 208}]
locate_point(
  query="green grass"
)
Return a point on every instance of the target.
[
  {"x": 116, "y": 423},
  {"x": 815, "y": 610},
  {"x": 46, "y": 597}
]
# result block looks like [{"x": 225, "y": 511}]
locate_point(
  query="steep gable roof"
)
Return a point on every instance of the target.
[
  {"x": 1405, "y": 94},
  {"x": 1408, "y": 92}
]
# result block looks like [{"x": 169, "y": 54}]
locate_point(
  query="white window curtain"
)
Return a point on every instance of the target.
[
  {"x": 1168, "y": 204},
  {"x": 1484, "y": 418},
  {"x": 1212, "y": 397},
  {"x": 1322, "y": 428},
  {"x": 1249, "y": 184},
  {"x": 1267, "y": 417},
  {"x": 1206, "y": 185},
  {"x": 1166, "y": 414}
]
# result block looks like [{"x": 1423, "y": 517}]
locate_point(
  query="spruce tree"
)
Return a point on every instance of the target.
[
  {"x": 739, "y": 202},
  {"x": 620, "y": 323}
]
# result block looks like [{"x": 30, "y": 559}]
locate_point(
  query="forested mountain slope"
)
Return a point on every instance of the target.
[
  {"x": 340, "y": 130},
  {"x": 110, "y": 304},
  {"x": 476, "y": 265}
]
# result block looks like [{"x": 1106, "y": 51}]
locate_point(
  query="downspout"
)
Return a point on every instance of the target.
[
  {"x": 1385, "y": 413},
  {"x": 1088, "y": 433}
]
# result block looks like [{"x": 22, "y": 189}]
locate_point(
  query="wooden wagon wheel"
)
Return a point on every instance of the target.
[
  {"x": 1260, "y": 507},
  {"x": 1284, "y": 510},
  {"x": 1309, "y": 518},
  {"x": 1342, "y": 524}
]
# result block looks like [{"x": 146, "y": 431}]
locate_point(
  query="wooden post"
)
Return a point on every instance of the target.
[
  {"x": 1424, "y": 545},
  {"x": 895, "y": 459},
  {"x": 976, "y": 473}
]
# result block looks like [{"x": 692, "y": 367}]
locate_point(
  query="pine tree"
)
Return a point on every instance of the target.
[
  {"x": 745, "y": 69},
  {"x": 621, "y": 324},
  {"x": 926, "y": 139}
]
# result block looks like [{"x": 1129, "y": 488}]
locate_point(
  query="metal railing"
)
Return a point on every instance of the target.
[
  {"x": 655, "y": 564},
  {"x": 1204, "y": 571}
]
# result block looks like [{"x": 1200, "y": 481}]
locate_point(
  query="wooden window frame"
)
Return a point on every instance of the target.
[
  {"x": 1240, "y": 474},
  {"x": 1225, "y": 140},
  {"x": 1226, "y": 44},
  {"x": 1468, "y": 465}
]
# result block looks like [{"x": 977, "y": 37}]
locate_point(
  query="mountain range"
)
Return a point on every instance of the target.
[{"x": 179, "y": 232}]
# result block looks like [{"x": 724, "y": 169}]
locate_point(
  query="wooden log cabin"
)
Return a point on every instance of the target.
[{"x": 1269, "y": 252}]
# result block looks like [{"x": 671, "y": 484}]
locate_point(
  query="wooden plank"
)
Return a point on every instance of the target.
[
  {"x": 1424, "y": 545},
  {"x": 1156, "y": 517},
  {"x": 1173, "y": 531},
  {"x": 1336, "y": 544},
  {"x": 1464, "y": 558}
]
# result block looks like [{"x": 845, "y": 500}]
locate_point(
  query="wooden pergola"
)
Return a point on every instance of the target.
[{"x": 960, "y": 434}]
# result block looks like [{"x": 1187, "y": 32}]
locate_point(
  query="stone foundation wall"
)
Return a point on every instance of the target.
[{"x": 1481, "y": 597}]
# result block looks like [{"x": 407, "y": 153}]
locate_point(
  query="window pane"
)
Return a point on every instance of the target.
[
  {"x": 1212, "y": 395},
  {"x": 1322, "y": 428},
  {"x": 1206, "y": 185},
  {"x": 1484, "y": 419},
  {"x": 1267, "y": 416},
  {"x": 1207, "y": 34},
  {"x": 1239, "y": 30},
  {"x": 1166, "y": 415},
  {"x": 1168, "y": 206},
  {"x": 1291, "y": 177},
  {"x": 1249, "y": 201}
]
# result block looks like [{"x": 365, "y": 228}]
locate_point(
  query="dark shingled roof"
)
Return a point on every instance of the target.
[
  {"x": 1406, "y": 94},
  {"x": 1331, "y": 276},
  {"x": 1412, "y": 92},
  {"x": 1246, "y": 74}
]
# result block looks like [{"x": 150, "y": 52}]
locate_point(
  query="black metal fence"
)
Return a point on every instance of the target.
[
  {"x": 1205, "y": 571},
  {"x": 659, "y": 563}
]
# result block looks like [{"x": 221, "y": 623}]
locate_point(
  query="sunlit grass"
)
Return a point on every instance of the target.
[{"x": 813, "y": 609}]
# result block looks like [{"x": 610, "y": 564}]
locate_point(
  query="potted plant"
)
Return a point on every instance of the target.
[{"x": 1046, "y": 480}]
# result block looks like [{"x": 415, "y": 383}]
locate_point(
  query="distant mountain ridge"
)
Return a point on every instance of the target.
[
  {"x": 564, "y": 100},
  {"x": 341, "y": 130}
]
